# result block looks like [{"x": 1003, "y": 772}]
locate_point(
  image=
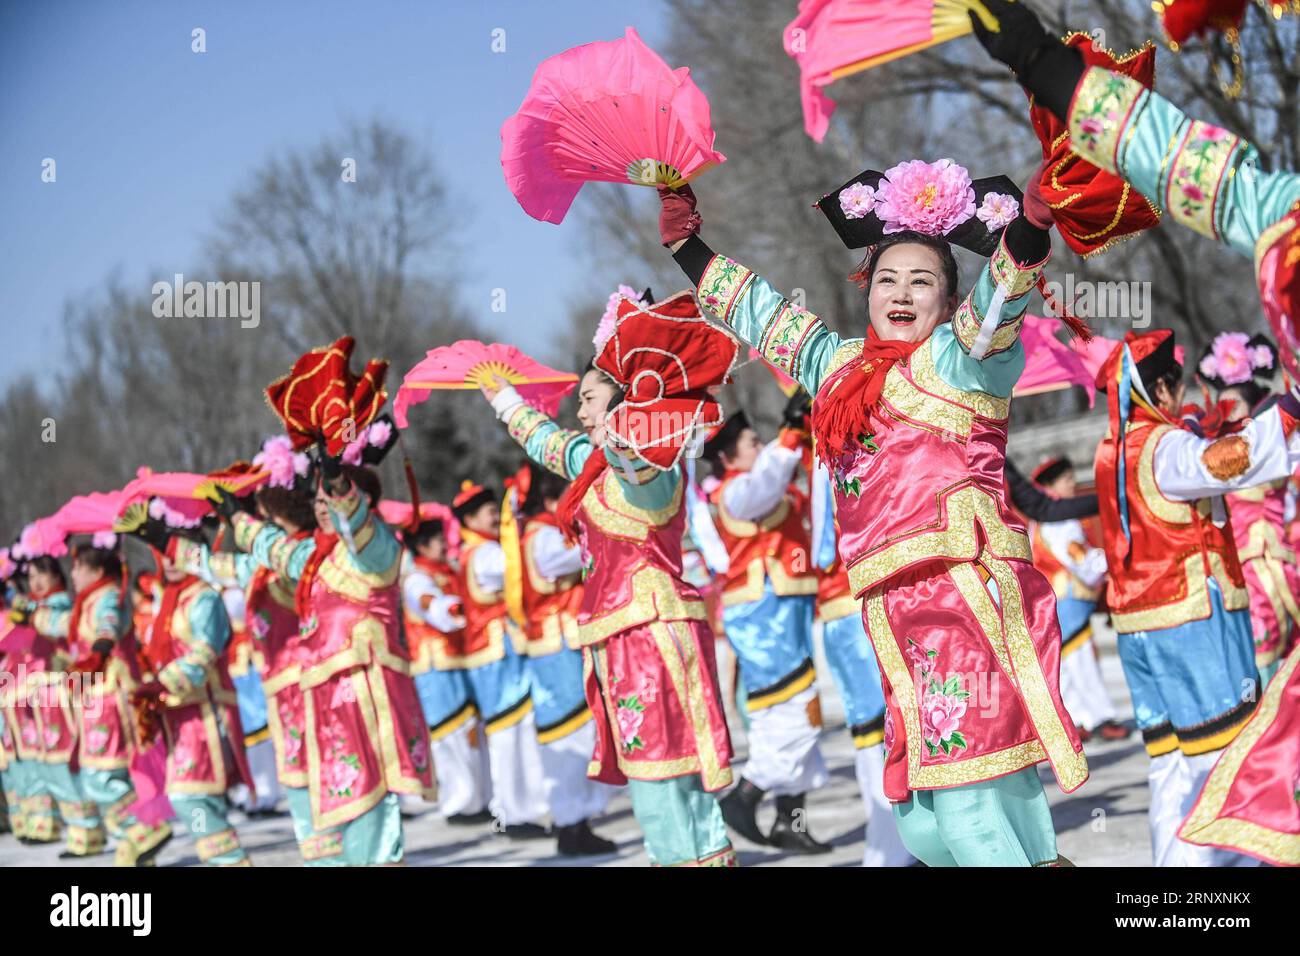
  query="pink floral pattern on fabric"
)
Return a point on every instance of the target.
[
  {"x": 419, "y": 747},
  {"x": 184, "y": 759},
  {"x": 97, "y": 739},
  {"x": 931, "y": 198},
  {"x": 293, "y": 746},
  {"x": 943, "y": 702},
  {"x": 630, "y": 714}
]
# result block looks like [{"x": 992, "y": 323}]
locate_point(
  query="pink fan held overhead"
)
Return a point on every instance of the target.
[
  {"x": 604, "y": 112},
  {"x": 832, "y": 39},
  {"x": 469, "y": 364}
]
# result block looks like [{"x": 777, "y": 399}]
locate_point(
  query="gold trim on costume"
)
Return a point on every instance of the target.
[{"x": 1203, "y": 825}]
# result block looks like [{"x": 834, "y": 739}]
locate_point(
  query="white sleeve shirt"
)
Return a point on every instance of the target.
[
  {"x": 554, "y": 557},
  {"x": 489, "y": 566},
  {"x": 419, "y": 585},
  {"x": 755, "y": 494},
  {"x": 1090, "y": 567},
  {"x": 1180, "y": 470}
]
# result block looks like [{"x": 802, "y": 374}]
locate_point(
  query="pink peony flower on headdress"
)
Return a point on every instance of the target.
[
  {"x": 857, "y": 200},
  {"x": 1261, "y": 357},
  {"x": 379, "y": 433},
  {"x": 7, "y": 565},
  {"x": 930, "y": 198},
  {"x": 998, "y": 210},
  {"x": 104, "y": 539},
  {"x": 278, "y": 457},
  {"x": 1231, "y": 357},
  {"x": 609, "y": 319}
]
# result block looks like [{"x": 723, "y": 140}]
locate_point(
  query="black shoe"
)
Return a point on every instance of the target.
[
  {"x": 739, "y": 809},
  {"x": 790, "y": 831},
  {"x": 469, "y": 819},
  {"x": 526, "y": 831},
  {"x": 70, "y": 855},
  {"x": 578, "y": 840},
  {"x": 148, "y": 856}
]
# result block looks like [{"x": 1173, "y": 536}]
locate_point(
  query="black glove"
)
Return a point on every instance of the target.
[
  {"x": 1019, "y": 35},
  {"x": 154, "y": 533},
  {"x": 1045, "y": 66},
  {"x": 225, "y": 503},
  {"x": 330, "y": 467},
  {"x": 797, "y": 409}
]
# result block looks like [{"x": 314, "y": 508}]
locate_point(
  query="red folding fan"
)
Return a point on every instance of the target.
[
  {"x": 1092, "y": 208},
  {"x": 322, "y": 400}
]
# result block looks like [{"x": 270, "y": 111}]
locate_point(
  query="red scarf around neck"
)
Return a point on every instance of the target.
[
  {"x": 844, "y": 412},
  {"x": 566, "y": 514},
  {"x": 325, "y": 542},
  {"x": 162, "y": 650},
  {"x": 79, "y": 603}
]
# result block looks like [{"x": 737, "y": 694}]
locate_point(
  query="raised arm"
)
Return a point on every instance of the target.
[
  {"x": 1205, "y": 177},
  {"x": 371, "y": 544},
  {"x": 210, "y": 633},
  {"x": 221, "y": 569},
  {"x": 268, "y": 545},
  {"x": 789, "y": 338},
  {"x": 1188, "y": 467},
  {"x": 561, "y": 450}
]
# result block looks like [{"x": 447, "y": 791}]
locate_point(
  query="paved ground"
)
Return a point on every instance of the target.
[{"x": 1101, "y": 824}]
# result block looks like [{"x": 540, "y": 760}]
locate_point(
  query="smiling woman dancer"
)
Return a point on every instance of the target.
[
  {"x": 912, "y": 422},
  {"x": 648, "y": 653}
]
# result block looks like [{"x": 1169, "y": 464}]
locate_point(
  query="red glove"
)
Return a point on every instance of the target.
[
  {"x": 677, "y": 217},
  {"x": 92, "y": 663},
  {"x": 151, "y": 690},
  {"x": 1036, "y": 209}
]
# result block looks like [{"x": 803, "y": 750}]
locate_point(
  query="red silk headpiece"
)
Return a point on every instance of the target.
[
  {"x": 666, "y": 357},
  {"x": 320, "y": 397}
]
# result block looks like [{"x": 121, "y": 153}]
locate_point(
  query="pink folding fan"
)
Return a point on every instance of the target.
[
  {"x": 832, "y": 39},
  {"x": 469, "y": 364},
  {"x": 606, "y": 112}
]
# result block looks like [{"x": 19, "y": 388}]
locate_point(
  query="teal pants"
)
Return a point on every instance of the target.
[
  {"x": 682, "y": 822},
  {"x": 83, "y": 829},
  {"x": 207, "y": 819},
  {"x": 107, "y": 789},
  {"x": 371, "y": 839},
  {"x": 1002, "y": 822}
]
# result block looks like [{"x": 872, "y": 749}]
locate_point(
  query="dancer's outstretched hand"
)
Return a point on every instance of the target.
[
  {"x": 678, "y": 220},
  {"x": 493, "y": 386},
  {"x": 1037, "y": 211}
]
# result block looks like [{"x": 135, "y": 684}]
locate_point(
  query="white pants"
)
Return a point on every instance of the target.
[
  {"x": 261, "y": 761},
  {"x": 783, "y": 753},
  {"x": 460, "y": 761},
  {"x": 884, "y": 845},
  {"x": 1083, "y": 691},
  {"x": 518, "y": 784},
  {"x": 570, "y": 794},
  {"x": 1176, "y": 781}
]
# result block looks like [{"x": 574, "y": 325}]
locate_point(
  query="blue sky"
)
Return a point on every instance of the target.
[{"x": 151, "y": 139}]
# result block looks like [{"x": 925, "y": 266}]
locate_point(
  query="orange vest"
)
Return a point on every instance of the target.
[
  {"x": 483, "y": 639},
  {"x": 777, "y": 548},
  {"x": 427, "y": 644},
  {"x": 1175, "y": 547},
  {"x": 551, "y": 607},
  {"x": 835, "y": 595}
]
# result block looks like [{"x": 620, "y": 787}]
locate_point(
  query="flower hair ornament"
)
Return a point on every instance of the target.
[
  {"x": 610, "y": 318},
  {"x": 1233, "y": 358},
  {"x": 935, "y": 199}
]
